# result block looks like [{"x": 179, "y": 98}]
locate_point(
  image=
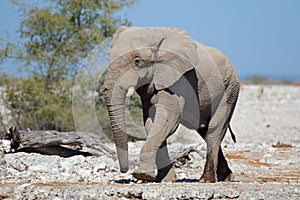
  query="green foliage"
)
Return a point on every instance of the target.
[
  {"x": 285, "y": 82},
  {"x": 264, "y": 80},
  {"x": 258, "y": 79},
  {"x": 32, "y": 108},
  {"x": 135, "y": 109},
  {"x": 54, "y": 39},
  {"x": 57, "y": 37}
]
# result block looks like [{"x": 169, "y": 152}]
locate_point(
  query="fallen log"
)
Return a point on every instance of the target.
[
  {"x": 64, "y": 144},
  {"x": 183, "y": 157}
]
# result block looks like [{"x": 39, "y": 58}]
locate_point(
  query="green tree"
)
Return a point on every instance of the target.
[{"x": 54, "y": 39}]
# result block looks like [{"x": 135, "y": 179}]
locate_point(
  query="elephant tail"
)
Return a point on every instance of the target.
[{"x": 232, "y": 134}]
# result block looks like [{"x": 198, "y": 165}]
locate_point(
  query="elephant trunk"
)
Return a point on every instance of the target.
[
  {"x": 115, "y": 93},
  {"x": 115, "y": 100}
]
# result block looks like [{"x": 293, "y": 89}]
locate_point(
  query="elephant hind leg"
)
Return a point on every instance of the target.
[
  {"x": 224, "y": 173},
  {"x": 216, "y": 167}
]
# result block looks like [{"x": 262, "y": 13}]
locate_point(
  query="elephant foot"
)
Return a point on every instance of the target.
[
  {"x": 224, "y": 173},
  {"x": 171, "y": 176},
  {"x": 144, "y": 176},
  {"x": 166, "y": 174},
  {"x": 203, "y": 180},
  {"x": 211, "y": 179},
  {"x": 208, "y": 178},
  {"x": 229, "y": 178}
]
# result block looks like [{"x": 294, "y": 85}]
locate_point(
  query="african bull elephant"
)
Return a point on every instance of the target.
[{"x": 179, "y": 81}]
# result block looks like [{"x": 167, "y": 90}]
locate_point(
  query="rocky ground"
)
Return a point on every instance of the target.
[{"x": 265, "y": 161}]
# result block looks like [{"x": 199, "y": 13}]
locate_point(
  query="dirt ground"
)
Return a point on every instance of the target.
[{"x": 265, "y": 161}]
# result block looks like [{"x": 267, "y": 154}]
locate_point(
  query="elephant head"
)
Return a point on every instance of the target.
[{"x": 141, "y": 56}]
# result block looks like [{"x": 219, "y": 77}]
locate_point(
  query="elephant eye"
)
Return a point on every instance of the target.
[{"x": 137, "y": 61}]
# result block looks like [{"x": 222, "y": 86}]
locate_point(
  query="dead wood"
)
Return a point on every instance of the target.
[
  {"x": 64, "y": 144},
  {"x": 183, "y": 157}
]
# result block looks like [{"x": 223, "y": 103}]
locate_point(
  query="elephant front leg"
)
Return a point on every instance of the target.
[
  {"x": 145, "y": 171},
  {"x": 165, "y": 172},
  {"x": 166, "y": 116}
]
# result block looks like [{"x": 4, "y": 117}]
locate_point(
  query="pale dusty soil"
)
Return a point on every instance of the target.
[{"x": 265, "y": 161}]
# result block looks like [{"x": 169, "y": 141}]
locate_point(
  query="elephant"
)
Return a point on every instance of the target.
[{"x": 179, "y": 81}]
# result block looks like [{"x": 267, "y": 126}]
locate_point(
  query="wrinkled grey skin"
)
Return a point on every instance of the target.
[{"x": 179, "y": 81}]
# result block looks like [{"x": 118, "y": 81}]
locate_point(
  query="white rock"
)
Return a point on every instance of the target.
[
  {"x": 5, "y": 146},
  {"x": 84, "y": 173},
  {"x": 99, "y": 166},
  {"x": 3, "y": 165}
]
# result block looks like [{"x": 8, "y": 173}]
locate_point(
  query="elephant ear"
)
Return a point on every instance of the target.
[{"x": 176, "y": 55}]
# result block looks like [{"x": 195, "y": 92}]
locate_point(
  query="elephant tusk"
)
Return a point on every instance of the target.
[{"x": 130, "y": 91}]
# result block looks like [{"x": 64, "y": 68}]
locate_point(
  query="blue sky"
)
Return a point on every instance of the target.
[{"x": 258, "y": 36}]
